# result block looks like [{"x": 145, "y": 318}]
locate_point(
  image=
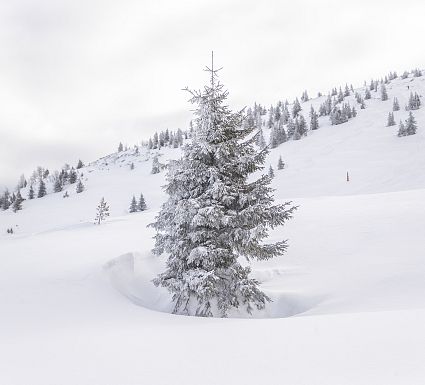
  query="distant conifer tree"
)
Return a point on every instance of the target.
[
  {"x": 384, "y": 94},
  {"x": 80, "y": 187},
  {"x": 155, "y": 166},
  {"x": 57, "y": 186},
  {"x": 102, "y": 212},
  {"x": 390, "y": 121},
  {"x": 314, "y": 119},
  {"x": 17, "y": 204},
  {"x": 142, "y": 204},
  {"x": 133, "y": 205},
  {"x": 396, "y": 105},
  {"x": 280, "y": 164},
  {"x": 31, "y": 193},
  {"x": 41, "y": 189}
]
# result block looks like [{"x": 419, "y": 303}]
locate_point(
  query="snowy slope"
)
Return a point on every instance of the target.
[{"x": 77, "y": 305}]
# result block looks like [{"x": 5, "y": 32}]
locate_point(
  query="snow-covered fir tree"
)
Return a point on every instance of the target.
[
  {"x": 133, "y": 205},
  {"x": 271, "y": 172},
  {"x": 384, "y": 94},
  {"x": 80, "y": 164},
  {"x": 141, "y": 205},
  {"x": 102, "y": 211},
  {"x": 409, "y": 127},
  {"x": 41, "y": 189},
  {"x": 300, "y": 127},
  {"x": 296, "y": 108},
  {"x": 396, "y": 105},
  {"x": 120, "y": 147},
  {"x": 17, "y": 204},
  {"x": 314, "y": 119},
  {"x": 31, "y": 193},
  {"x": 390, "y": 120},
  {"x": 414, "y": 102},
  {"x": 72, "y": 176},
  {"x": 260, "y": 139},
  {"x": 57, "y": 186},
  {"x": 280, "y": 164},
  {"x": 214, "y": 215},
  {"x": 367, "y": 94},
  {"x": 80, "y": 187},
  {"x": 155, "y": 165}
]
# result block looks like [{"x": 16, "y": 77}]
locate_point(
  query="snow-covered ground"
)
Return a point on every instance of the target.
[{"x": 78, "y": 308}]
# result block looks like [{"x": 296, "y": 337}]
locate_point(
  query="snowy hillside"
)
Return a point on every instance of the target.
[{"x": 78, "y": 306}]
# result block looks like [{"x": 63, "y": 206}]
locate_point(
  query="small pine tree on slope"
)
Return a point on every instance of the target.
[
  {"x": 390, "y": 121},
  {"x": 80, "y": 187},
  {"x": 41, "y": 189},
  {"x": 133, "y": 205},
  {"x": 31, "y": 193},
  {"x": 214, "y": 216},
  {"x": 102, "y": 212},
  {"x": 280, "y": 164},
  {"x": 17, "y": 204},
  {"x": 141, "y": 206}
]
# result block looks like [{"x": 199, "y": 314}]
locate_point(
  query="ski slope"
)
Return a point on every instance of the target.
[{"x": 78, "y": 308}]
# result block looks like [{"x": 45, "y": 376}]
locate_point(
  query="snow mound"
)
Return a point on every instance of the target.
[{"x": 131, "y": 274}]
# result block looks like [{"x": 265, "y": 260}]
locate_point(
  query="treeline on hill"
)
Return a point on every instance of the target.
[
  {"x": 165, "y": 138},
  {"x": 287, "y": 121},
  {"x": 37, "y": 185}
]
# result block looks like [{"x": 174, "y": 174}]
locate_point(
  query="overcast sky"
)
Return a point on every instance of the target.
[{"x": 77, "y": 77}]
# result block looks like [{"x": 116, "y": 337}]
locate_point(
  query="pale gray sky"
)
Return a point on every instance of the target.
[{"x": 76, "y": 77}]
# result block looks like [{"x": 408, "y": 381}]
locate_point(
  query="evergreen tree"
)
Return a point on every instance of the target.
[
  {"x": 142, "y": 204},
  {"x": 72, "y": 176},
  {"x": 414, "y": 102},
  {"x": 396, "y": 105},
  {"x": 131, "y": 166},
  {"x": 291, "y": 128},
  {"x": 120, "y": 147},
  {"x": 260, "y": 139},
  {"x": 133, "y": 205},
  {"x": 401, "y": 129},
  {"x": 102, "y": 211},
  {"x": 300, "y": 127},
  {"x": 80, "y": 187},
  {"x": 17, "y": 204},
  {"x": 155, "y": 140},
  {"x": 280, "y": 164},
  {"x": 367, "y": 94},
  {"x": 271, "y": 172},
  {"x": 296, "y": 108},
  {"x": 214, "y": 215},
  {"x": 314, "y": 119},
  {"x": 80, "y": 164},
  {"x": 346, "y": 91},
  {"x": 31, "y": 193},
  {"x": 391, "y": 121},
  {"x": 41, "y": 189},
  {"x": 411, "y": 126},
  {"x": 384, "y": 94},
  {"x": 57, "y": 186},
  {"x": 155, "y": 166}
]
